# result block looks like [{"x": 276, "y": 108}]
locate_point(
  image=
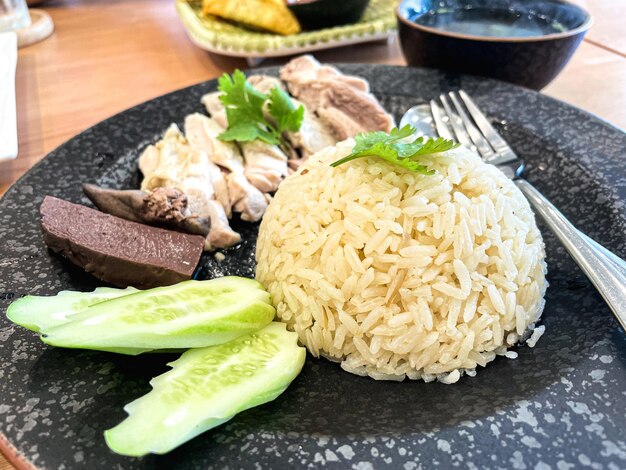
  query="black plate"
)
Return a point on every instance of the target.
[{"x": 558, "y": 405}]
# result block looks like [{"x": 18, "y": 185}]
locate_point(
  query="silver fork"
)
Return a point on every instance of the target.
[{"x": 606, "y": 270}]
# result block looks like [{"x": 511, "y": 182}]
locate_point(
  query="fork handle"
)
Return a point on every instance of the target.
[{"x": 606, "y": 270}]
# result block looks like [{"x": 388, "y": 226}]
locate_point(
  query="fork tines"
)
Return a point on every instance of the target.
[{"x": 469, "y": 126}]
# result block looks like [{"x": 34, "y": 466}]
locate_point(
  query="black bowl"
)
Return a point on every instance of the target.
[
  {"x": 538, "y": 40},
  {"x": 317, "y": 14}
]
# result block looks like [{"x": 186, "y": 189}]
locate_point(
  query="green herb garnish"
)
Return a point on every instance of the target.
[
  {"x": 391, "y": 148},
  {"x": 244, "y": 110}
]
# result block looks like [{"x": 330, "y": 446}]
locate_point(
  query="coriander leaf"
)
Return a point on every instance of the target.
[
  {"x": 365, "y": 140},
  {"x": 406, "y": 131},
  {"x": 437, "y": 145},
  {"x": 244, "y": 110},
  {"x": 239, "y": 94},
  {"x": 287, "y": 117},
  {"x": 389, "y": 152},
  {"x": 389, "y": 146},
  {"x": 246, "y": 132}
]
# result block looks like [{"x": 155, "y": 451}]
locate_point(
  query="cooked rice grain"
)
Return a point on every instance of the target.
[{"x": 397, "y": 274}]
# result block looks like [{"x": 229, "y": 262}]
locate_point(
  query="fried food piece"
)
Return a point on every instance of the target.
[{"x": 269, "y": 15}]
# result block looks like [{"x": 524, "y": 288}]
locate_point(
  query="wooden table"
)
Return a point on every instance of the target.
[{"x": 108, "y": 55}]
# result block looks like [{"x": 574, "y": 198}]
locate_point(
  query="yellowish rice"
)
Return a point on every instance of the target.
[{"x": 397, "y": 274}]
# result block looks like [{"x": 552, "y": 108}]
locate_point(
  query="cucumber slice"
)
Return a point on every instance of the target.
[
  {"x": 191, "y": 314},
  {"x": 207, "y": 387},
  {"x": 38, "y": 313}
]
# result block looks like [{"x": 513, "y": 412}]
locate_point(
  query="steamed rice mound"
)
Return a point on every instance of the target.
[{"x": 397, "y": 274}]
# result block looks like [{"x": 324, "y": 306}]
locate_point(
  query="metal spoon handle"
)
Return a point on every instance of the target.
[{"x": 605, "y": 270}]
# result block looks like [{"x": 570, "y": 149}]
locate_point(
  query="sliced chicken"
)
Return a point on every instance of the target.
[
  {"x": 221, "y": 235},
  {"x": 341, "y": 126},
  {"x": 203, "y": 133},
  {"x": 361, "y": 108},
  {"x": 215, "y": 108},
  {"x": 264, "y": 83},
  {"x": 343, "y": 103},
  {"x": 265, "y": 165},
  {"x": 173, "y": 163},
  {"x": 313, "y": 135},
  {"x": 307, "y": 79},
  {"x": 220, "y": 186},
  {"x": 247, "y": 200},
  {"x": 159, "y": 163},
  {"x": 149, "y": 159},
  {"x": 294, "y": 165},
  {"x": 328, "y": 72}
]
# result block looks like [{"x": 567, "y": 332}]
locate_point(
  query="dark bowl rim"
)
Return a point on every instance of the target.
[{"x": 548, "y": 37}]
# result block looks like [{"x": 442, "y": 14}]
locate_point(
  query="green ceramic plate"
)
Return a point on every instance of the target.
[{"x": 216, "y": 35}]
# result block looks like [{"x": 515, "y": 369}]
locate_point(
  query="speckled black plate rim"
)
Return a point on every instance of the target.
[{"x": 20, "y": 460}]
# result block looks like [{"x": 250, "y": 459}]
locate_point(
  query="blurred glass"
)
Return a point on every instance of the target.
[{"x": 13, "y": 15}]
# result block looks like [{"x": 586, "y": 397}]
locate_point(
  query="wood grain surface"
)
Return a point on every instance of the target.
[
  {"x": 4, "y": 464},
  {"x": 608, "y": 27},
  {"x": 108, "y": 55}
]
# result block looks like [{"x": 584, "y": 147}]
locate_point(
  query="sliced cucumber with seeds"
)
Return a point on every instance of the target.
[
  {"x": 38, "y": 313},
  {"x": 207, "y": 387},
  {"x": 190, "y": 314}
]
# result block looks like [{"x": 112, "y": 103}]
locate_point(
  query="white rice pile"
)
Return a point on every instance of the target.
[{"x": 397, "y": 274}]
